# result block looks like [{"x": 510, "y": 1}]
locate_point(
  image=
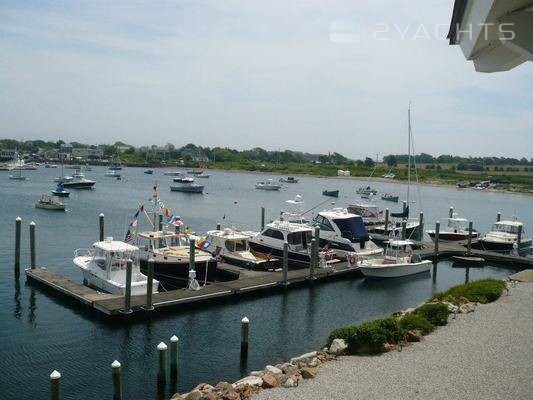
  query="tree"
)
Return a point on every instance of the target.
[
  {"x": 369, "y": 162},
  {"x": 390, "y": 160}
]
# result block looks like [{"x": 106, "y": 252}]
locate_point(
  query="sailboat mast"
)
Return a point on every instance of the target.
[{"x": 408, "y": 153}]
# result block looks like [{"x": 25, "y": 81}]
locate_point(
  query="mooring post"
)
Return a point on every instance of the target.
[
  {"x": 55, "y": 383},
  {"x": 32, "y": 245},
  {"x": 149, "y": 285},
  {"x": 469, "y": 244},
  {"x": 18, "y": 225},
  {"x": 404, "y": 229},
  {"x": 285, "y": 262},
  {"x": 218, "y": 226},
  {"x": 437, "y": 232},
  {"x": 117, "y": 380},
  {"x": 101, "y": 226},
  {"x": 498, "y": 216},
  {"x": 262, "y": 218},
  {"x": 162, "y": 372},
  {"x": 127, "y": 294},
  {"x": 450, "y": 213},
  {"x": 174, "y": 355},
  {"x": 312, "y": 260},
  {"x": 518, "y": 239},
  {"x": 160, "y": 227},
  {"x": 385, "y": 230},
  {"x": 245, "y": 325},
  {"x": 192, "y": 250},
  {"x": 404, "y": 206},
  {"x": 421, "y": 226}
]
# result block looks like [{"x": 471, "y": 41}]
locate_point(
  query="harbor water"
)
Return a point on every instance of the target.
[{"x": 41, "y": 332}]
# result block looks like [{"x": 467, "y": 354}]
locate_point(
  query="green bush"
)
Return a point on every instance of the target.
[
  {"x": 482, "y": 291},
  {"x": 445, "y": 296},
  {"x": 341, "y": 333},
  {"x": 371, "y": 337},
  {"x": 435, "y": 313},
  {"x": 411, "y": 322}
]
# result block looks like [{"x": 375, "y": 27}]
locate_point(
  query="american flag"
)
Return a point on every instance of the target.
[{"x": 128, "y": 238}]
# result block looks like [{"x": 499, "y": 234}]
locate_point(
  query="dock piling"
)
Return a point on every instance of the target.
[
  {"x": 117, "y": 380},
  {"x": 101, "y": 226},
  {"x": 218, "y": 226},
  {"x": 192, "y": 251},
  {"x": 469, "y": 243},
  {"x": 437, "y": 232},
  {"x": 174, "y": 355},
  {"x": 385, "y": 230},
  {"x": 32, "y": 245},
  {"x": 450, "y": 213},
  {"x": 285, "y": 263},
  {"x": 421, "y": 226},
  {"x": 498, "y": 216},
  {"x": 404, "y": 207},
  {"x": 150, "y": 283},
  {"x": 162, "y": 371},
  {"x": 245, "y": 325},
  {"x": 55, "y": 383},
  {"x": 127, "y": 294},
  {"x": 18, "y": 225},
  {"x": 518, "y": 239},
  {"x": 313, "y": 259},
  {"x": 404, "y": 229},
  {"x": 262, "y": 218}
]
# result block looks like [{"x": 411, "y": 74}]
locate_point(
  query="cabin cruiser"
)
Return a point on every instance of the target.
[
  {"x": 375, "y": 222},
  {"x": 187, "y": 187},
  {"x": 104, "y": 267},
  {"x": 267, "y": 185},
  {"x": 183, "y": 179},
  {"x": 399, "y": 260},
  {"x": 503, "y": 237},
  {"x": 170, "y": 252},
  {"x": 232, "y": 246},
  {"x": 457, "y": 230},
  {"x": 78, "y": 181},
  {"x": 269, "y": 243},
  {"x": 50, "y": 203}
]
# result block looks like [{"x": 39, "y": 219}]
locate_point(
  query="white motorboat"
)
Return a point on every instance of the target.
[
  {"x": 269, "y": 184},
  {"x": 232, "y": 246},
  {"x": 366, "y": 191},
  {"x": 112, "y": 173},
  {"x": 203, "y": 175},
  {"x": 503, "y": 237},
  {"x": 104, "y": 267},
  {"x": 172, "y": 173},
  {"x": 398, "y": 261},
  {"x": 78, "y": 181},
  {"x": 456, "y": 230},
  {"x": 50, "y": 203}
]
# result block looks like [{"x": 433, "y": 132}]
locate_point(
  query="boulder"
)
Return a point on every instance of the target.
[
  {"x": 315, "y": 362},
  {"x": 207, "y": 386},
  {"x": 273, "y": 370},
  {"x": 246, "y": 391},
  {"x": 338, "y": 346},
  {"x": 177, "y": 396},
  {"x": 389, "y": 347},
  {"x": 194, "y": 394},
  {"x": 467, "y": 308},
  {"x": 414, "y": 336},
  {"x": 270, "y": 381},
  {"x": 289, "y": 369},
  {"x": 304, "y": 358},
  {"x": 210, "y": 395},
  {"x": 249, "y": 380},
  {"x": 257, "y": 373},
  {"x": 452, "y": 308},
  {"x": 308, "y": 372},
  {"x": 290, "y": 382},
  {"x": 226, "y": 390}
]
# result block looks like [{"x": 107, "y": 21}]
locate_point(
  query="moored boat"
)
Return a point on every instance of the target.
[
  {"x": 330, "y": 193},
  {"x": 149, "y": 171},
  {"x": 187, "y": 188},
  {"x": 366, "y": 190},
  {"x": 289, "y": 179},
  {"x": 456, "y": 230},
  {"x": 203, "y": 175},
  {"x": 50, "y": 203},
  {"x": 112, "y": 173},
  {"x": 78, "y": 182},
  {"x": 60, "y": 191},
  {"x": 390, "y": 197},
  {"x": 267, "y": 185},
  {"x": 504, "y": 237}
]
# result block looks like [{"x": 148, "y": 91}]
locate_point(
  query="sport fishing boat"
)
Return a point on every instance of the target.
[
  {"x": 104, "y": 267},
  {"x": 50, "y": 203},
  {"x": 289, "y": 179},
  {"x": 269, "y": 243},
  {"x": 60, "y": 191},
  {"x": 267, "y": 185},
  {"x": 78, "y": 182},
  {"x": 456, "y": 230},
  {"x": 171, "y": 254},
  {"x": 398, "y": 260},
  {"x": 503, "y": 237},
  {"x": 232, "y": 246}
]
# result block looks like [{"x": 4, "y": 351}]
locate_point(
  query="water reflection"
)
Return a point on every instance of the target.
[
  {"x": 467, "y": 274},
  {"x": 17, "y": 312},
  {"x": 32, "y": 308}
]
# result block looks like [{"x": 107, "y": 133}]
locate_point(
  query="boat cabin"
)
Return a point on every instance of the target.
[
  {"x": 151, "y": 240},
  {"x": 369, "y": 212},
  {"x": 510, "y": 227},
  {"x": 111, "y": 256},
  {"x": 344, "y": 224},
  {"x": 297, "y": 236},
  {"x": 400, "y": 251},
  {"x": 229, "y": 240}
]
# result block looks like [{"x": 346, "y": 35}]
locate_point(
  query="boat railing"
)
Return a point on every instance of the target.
[{"x": 83, "y": 252}]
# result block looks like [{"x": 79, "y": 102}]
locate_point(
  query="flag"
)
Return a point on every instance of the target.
[
  {"x": 136, "y": 215},
  {"x": 133, "y": 223},
  {"x": 171, "y": 219},
  {"x": 177, "y": 222},
  {"x": 128, "y": 238},
  {"x": 203, "y": 244},
  {"x": 167, "y": 213}
]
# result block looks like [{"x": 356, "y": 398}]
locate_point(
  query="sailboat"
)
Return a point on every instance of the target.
[{"x": 17, "y": 166}]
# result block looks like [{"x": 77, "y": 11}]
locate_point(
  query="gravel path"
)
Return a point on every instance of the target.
[{"x": 487, "y": 354}]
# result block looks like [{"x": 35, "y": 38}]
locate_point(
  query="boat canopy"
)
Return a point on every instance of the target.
[{"x": 352, "y": 228}]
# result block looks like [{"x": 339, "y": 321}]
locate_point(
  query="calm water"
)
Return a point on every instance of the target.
[{"x": 41, "y": 333}]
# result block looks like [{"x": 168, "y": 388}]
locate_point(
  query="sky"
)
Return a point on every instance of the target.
[{"x": 253, "y": 73}]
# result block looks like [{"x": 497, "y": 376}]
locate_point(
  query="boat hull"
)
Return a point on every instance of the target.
[
  {"x": 296, "y": 259},
  {"x": 51, "y": 207},
  {"x": 78, "y": 185},
  {"x": 137, "y": 288},
  {"x": 176, "y": 274},
  {"x": 505, "y": 247},
  {"x": 187, "y": 189},
  {"x": 394, "y": 270},
  {"x": 330, "y": 193},
  {"x": 452, "y": 236},
  {"x": 60, "y": 194}
]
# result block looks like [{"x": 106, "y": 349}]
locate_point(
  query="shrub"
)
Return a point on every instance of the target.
[
  {"x": 371, "y": 337},
  {"x": 445, "y": 296},
  {"x": 341, "y": 333},
  {"x": 482, "y": 291},
  {"x": 435, "y": 313},
  {"x": 411, "y": 322}
]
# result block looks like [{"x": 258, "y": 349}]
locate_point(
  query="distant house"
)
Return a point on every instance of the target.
[
  {"x": 87, "y": 153},
  {"x": 195, "y": 154},
  {"x": 123, "y": 149},
  {"x": 7, "y": 154}
]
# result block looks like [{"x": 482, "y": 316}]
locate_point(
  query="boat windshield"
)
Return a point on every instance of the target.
[
  {"x": 505, "y": 228},
  {"x": 352, "y": 228},
  {"x": 236, "y": 245},
  {"x": 298, "y": 239}
]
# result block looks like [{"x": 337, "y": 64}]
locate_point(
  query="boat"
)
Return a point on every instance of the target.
[
  {"x": 269, "y": 242},
  {"x": 366, "y": 190},
  {"x": 66, "y": 178},
  {"x": 503, "y": 237},
  {"x": 398, "y": 261},
  {"x": 104, "y": 267},
  {"x": 289, "y": 179},
  {"x": 50, "y": 203},
  {"x": 232, "y": 246},
  {"x": 184, "y": 179},
  {"x": 112, "y": 173},
  {"x": 172, "y": 173},
  {"x": 390, "y": 197},
  {"x": 203, "y": 175},
  {"x": 87, "y": 167},
  {"x": 50, "y": 166},
  {"x": 171, "y": 254},
  {"x": 149, "y": 171},
  {"x": 60, "y": 191},
  {"x": 187, "y": 188},
  {"x": 267, "y": 185},
  {"x": 17, "y": 165},
  {"x": 461, "y": 185},
  {"x": 73, "y": 166},
  {"x": 389, "y": 175},
  {"x": 330, "y": 193},
  {"x": 78, "y": 182},
  {"x": 468, "y": 261},
  {"x": 195, "y": 172},
  {"x": 456, "y": 230}
]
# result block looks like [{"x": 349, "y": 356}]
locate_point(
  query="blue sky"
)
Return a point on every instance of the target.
[{"x": 254, "y": 73}]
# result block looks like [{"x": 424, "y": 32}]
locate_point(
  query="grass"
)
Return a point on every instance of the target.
[
  {"x": 482, "y": 291},
  {"x": 435, "y": 313},
  {"x": 412, "y": 322}
]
